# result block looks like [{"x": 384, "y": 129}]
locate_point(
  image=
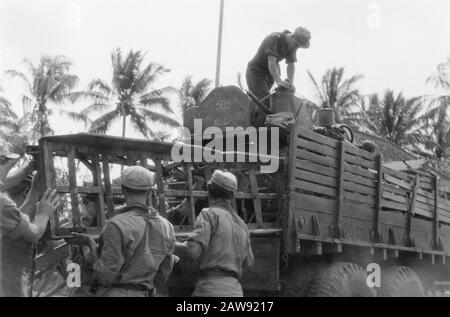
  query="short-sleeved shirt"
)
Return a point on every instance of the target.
[
  {"x": 224, "y": 238},
  {"x": 140, "y": 240},
  {"x": 275, "y": 45},
  {"x": 16, "y": 252}
]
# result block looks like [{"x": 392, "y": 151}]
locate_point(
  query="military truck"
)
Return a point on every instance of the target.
[{"x": 332, "y": 220}]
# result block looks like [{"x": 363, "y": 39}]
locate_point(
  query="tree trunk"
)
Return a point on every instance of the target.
[{"x": 124, "y": 125}]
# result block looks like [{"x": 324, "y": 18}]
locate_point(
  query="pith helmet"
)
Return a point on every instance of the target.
[
  {"x": 137, "y": 178},
  {"x": 224, "y": 180}
]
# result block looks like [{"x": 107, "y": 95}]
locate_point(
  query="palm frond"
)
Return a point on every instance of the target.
[
  {"x": 16, "y": 74},
  {"x": 155, "y": 116},
  {"x": 75, "y": 116},
  {"x": 158, "y": 93},
  {"x": 96, "y": 108},
  {"x": 139, "y": 124},
  {"x": 161, "y": 101},
  {"x": 103, "y": 123},
  {"x": 90, "y": 96},
  {"x": 100, "y": 86}
]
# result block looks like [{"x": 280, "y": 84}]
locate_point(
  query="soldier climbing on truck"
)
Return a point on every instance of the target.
[{"x": 263, "y": 70}]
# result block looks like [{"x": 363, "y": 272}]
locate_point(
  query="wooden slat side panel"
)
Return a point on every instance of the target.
[
  {"x": 351, "y": 149},
  {"x": 316, "y": 158},
  {"x": 316, "y": 168},
  {"x": 315, "y": 137},
  {"x": 399, "y": 174}
]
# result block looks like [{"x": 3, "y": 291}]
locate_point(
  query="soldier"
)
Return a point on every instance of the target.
[
  {"x": 136, "y": 246},
  {"x": 18, "y": 232},
  {"x": 220, "y": 242},
  {"x": 264, "y": 69}
]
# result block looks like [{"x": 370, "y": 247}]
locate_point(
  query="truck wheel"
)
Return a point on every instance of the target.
[
  {"x": 341, "y": 279},
  {"x": 298, "y": 279},
  {"x": 400, "y": 281}
]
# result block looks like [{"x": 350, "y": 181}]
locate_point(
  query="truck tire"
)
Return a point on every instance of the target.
[
  {"x": 341, "y": 279},
  {"x": 400, "y": 281},
  {"x": 297, "y": 281}
]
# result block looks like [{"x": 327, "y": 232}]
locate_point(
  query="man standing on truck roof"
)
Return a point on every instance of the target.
[
  {"x": 18, "y": 232},
  {"x": 264, "y": 69},
  {"x": 220, "y": 242},
  {"x": 136, "y": 246}
]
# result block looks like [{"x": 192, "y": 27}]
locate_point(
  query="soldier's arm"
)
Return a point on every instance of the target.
[
  {"x": 24, "y": 228},
  {"x": 199, "y": 239},
  {"x": 290, "y": 71},
  {"x": 188, "y": 249},
  {"x": 29, "y": 205},
  {"x": 274, "y": 70}
]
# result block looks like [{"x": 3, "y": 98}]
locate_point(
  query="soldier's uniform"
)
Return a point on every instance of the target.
[
  {"x": 136, "y": 246},
  {"x": 225, "y": 241}
]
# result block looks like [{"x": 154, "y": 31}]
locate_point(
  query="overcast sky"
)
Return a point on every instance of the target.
[{"x": 394, "y": 43}]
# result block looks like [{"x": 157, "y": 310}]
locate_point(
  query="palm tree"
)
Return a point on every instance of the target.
[
  {"x": 193, "y": 94},
  {"x": 437, "y": 116},
  {"x": 8, "y": 117},
  {"x": 47, "y": 85},
  {"x": 129, "y": 95},
  {"x": 395, "y": 118},
  {"x": 338, "y": 93}
]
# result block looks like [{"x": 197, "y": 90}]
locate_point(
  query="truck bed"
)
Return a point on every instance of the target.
[{"x": 340, "y": 194}]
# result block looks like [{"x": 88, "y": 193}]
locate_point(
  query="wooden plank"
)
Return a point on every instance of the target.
[
  {"x": 108, "y": 189},
  {"x": 351, "y": 149},
  {"x": 398, "y": 182},
  {"x": 76, "y": 218},
  {"x": 360, "y": 199},
  {"x": 396, "y": 190},
  {"x": 315, "y": 178},
  {"x": 330, "y": 191},
  {"x": 340, "y": 190},
  {"x": 394, "y": 205},
  {"x": 444, "y": 203},
  {"x": 204, "y": 194},
  {"x": 316, "y": 137},
  {"x": 360, "y": 162},
  {"x": 319, "y": 189},
  {"x": 100, "y": 202},
  {"x": 208, "y": 175},
  {"x": 316, "y": 168},
  {"x": 424, "y": 193},
  {"x": 360, "y": 188},
  {"x": 360, "y": 180},
  {"x": 47, "y": 170},
  {"x": 436, "y": 238},
  {"x": 426, "y": 186},
  {"x": 394, "y": 197},
  {"x": 80, "y": 189},
  {"x": 317, "y": 148},
  {"x": 314, "y": 203},
  {"x": 377, "y": 237},
  {"x": 411, "y": 208},
  {"x": 160, "y": 187},
  {"x": 188, "y": 172},
  {"x": 360, "y": 171},
  {"x": 317, "y": 159},
  {"x": 328, "y": 206},
  {"x": 398, "y": 174},
  {"x": 256, "y": 201}
]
